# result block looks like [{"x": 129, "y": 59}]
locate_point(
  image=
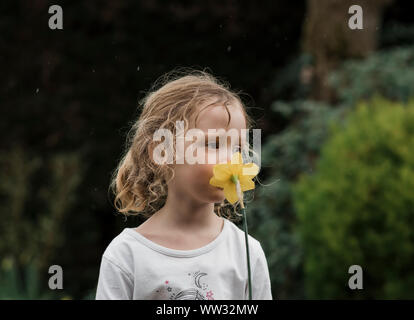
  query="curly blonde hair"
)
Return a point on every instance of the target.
[{"x": 140, "y": 185}]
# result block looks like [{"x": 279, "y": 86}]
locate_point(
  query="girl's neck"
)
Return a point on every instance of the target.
[{"x": 181, "y": 213}]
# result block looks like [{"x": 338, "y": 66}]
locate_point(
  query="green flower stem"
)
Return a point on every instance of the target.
[
  {"x": 247, "y": 251},
  {"x": 235, "y": 180}
]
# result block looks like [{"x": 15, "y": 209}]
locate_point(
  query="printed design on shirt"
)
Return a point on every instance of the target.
[{"x": 199, "y": 291}]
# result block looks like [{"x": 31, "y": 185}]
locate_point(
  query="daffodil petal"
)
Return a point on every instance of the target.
[
  {"x": 250, "y": 170},
  {"x": 217, "y": 183},
  {"x": 237, "y": 158},
  {"x": 222, "y": 172},
  {"x": 230, "y": 192},
  {"x": 246, "y": 183},
  {"x": 237, "y": 169}
]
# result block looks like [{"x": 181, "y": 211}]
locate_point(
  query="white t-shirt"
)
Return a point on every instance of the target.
[{"x": 134, "y": 267}]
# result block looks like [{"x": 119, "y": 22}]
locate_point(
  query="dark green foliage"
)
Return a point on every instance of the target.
[
  {"x": 357, "y": 208},
  {"x": 389, "y": 73},
  {"x": 294, "y": 151},
  {"x": 271, "y": 215},
  {"x": 33, "y": 217}
]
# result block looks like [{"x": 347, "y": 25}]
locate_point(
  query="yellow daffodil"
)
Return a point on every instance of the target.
[
  {"x": 236, "y": 177},
  {"x": 233, "y": 176}
]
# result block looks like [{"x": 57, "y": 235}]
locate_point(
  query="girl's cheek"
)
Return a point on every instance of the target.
[
  {"x": 214, "y": 156},
  {"x": 211, "y": 156}
]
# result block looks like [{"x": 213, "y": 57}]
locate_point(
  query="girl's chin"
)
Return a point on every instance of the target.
[
  {"x": 217, "y": 194},
  {"x": 218, "y": 190}
]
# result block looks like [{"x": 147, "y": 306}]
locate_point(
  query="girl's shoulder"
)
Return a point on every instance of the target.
[
  {"x": 238, "y": 234},
  {"x": 121, "y": 250},
  {"x": 237, "y": 237}
]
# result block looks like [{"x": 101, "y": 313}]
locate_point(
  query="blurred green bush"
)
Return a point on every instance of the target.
[
  {"x": 358, "y": 207},
  {"x": 11, "y": 283},
  {"x": 36, "y": 194},
  {"x": 295, "y": 150},
  {"x": 271, "y": 214}
]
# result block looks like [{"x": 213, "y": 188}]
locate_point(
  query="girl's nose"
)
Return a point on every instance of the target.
[
  {"x": 225, "y": 155},
  {"x": 229, "y": 155}
]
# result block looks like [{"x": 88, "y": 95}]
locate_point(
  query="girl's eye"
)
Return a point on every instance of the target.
[
  {"x": 212, "y": 145},
  {"x": 236, "y": 149}
]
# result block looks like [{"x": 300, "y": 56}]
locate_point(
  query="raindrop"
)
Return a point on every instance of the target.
[
  {"x": 37, "y": 90},
  {"x": 228, "y": 48},
  {"x": 138, "y": 68},
  {"x": 93, "y": 70}
]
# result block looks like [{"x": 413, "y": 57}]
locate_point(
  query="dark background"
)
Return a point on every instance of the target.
[{"x": 68, "y": 97}]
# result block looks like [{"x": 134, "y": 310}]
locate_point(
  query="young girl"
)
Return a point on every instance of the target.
[{"x": 187, "y": 249}]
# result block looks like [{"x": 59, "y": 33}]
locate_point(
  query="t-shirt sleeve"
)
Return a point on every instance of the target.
[
  {"x": 261, "y": 288},
  {"x": 114, "y": 283}
]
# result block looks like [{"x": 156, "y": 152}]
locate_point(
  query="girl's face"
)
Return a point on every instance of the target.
[{"x": 192, "y": 180}]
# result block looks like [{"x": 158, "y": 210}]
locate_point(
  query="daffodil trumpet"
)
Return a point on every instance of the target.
[{"x": 235, "y": 178}]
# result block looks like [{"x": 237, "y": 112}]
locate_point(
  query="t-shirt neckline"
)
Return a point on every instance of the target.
[{"x": 175, "y": 252}]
